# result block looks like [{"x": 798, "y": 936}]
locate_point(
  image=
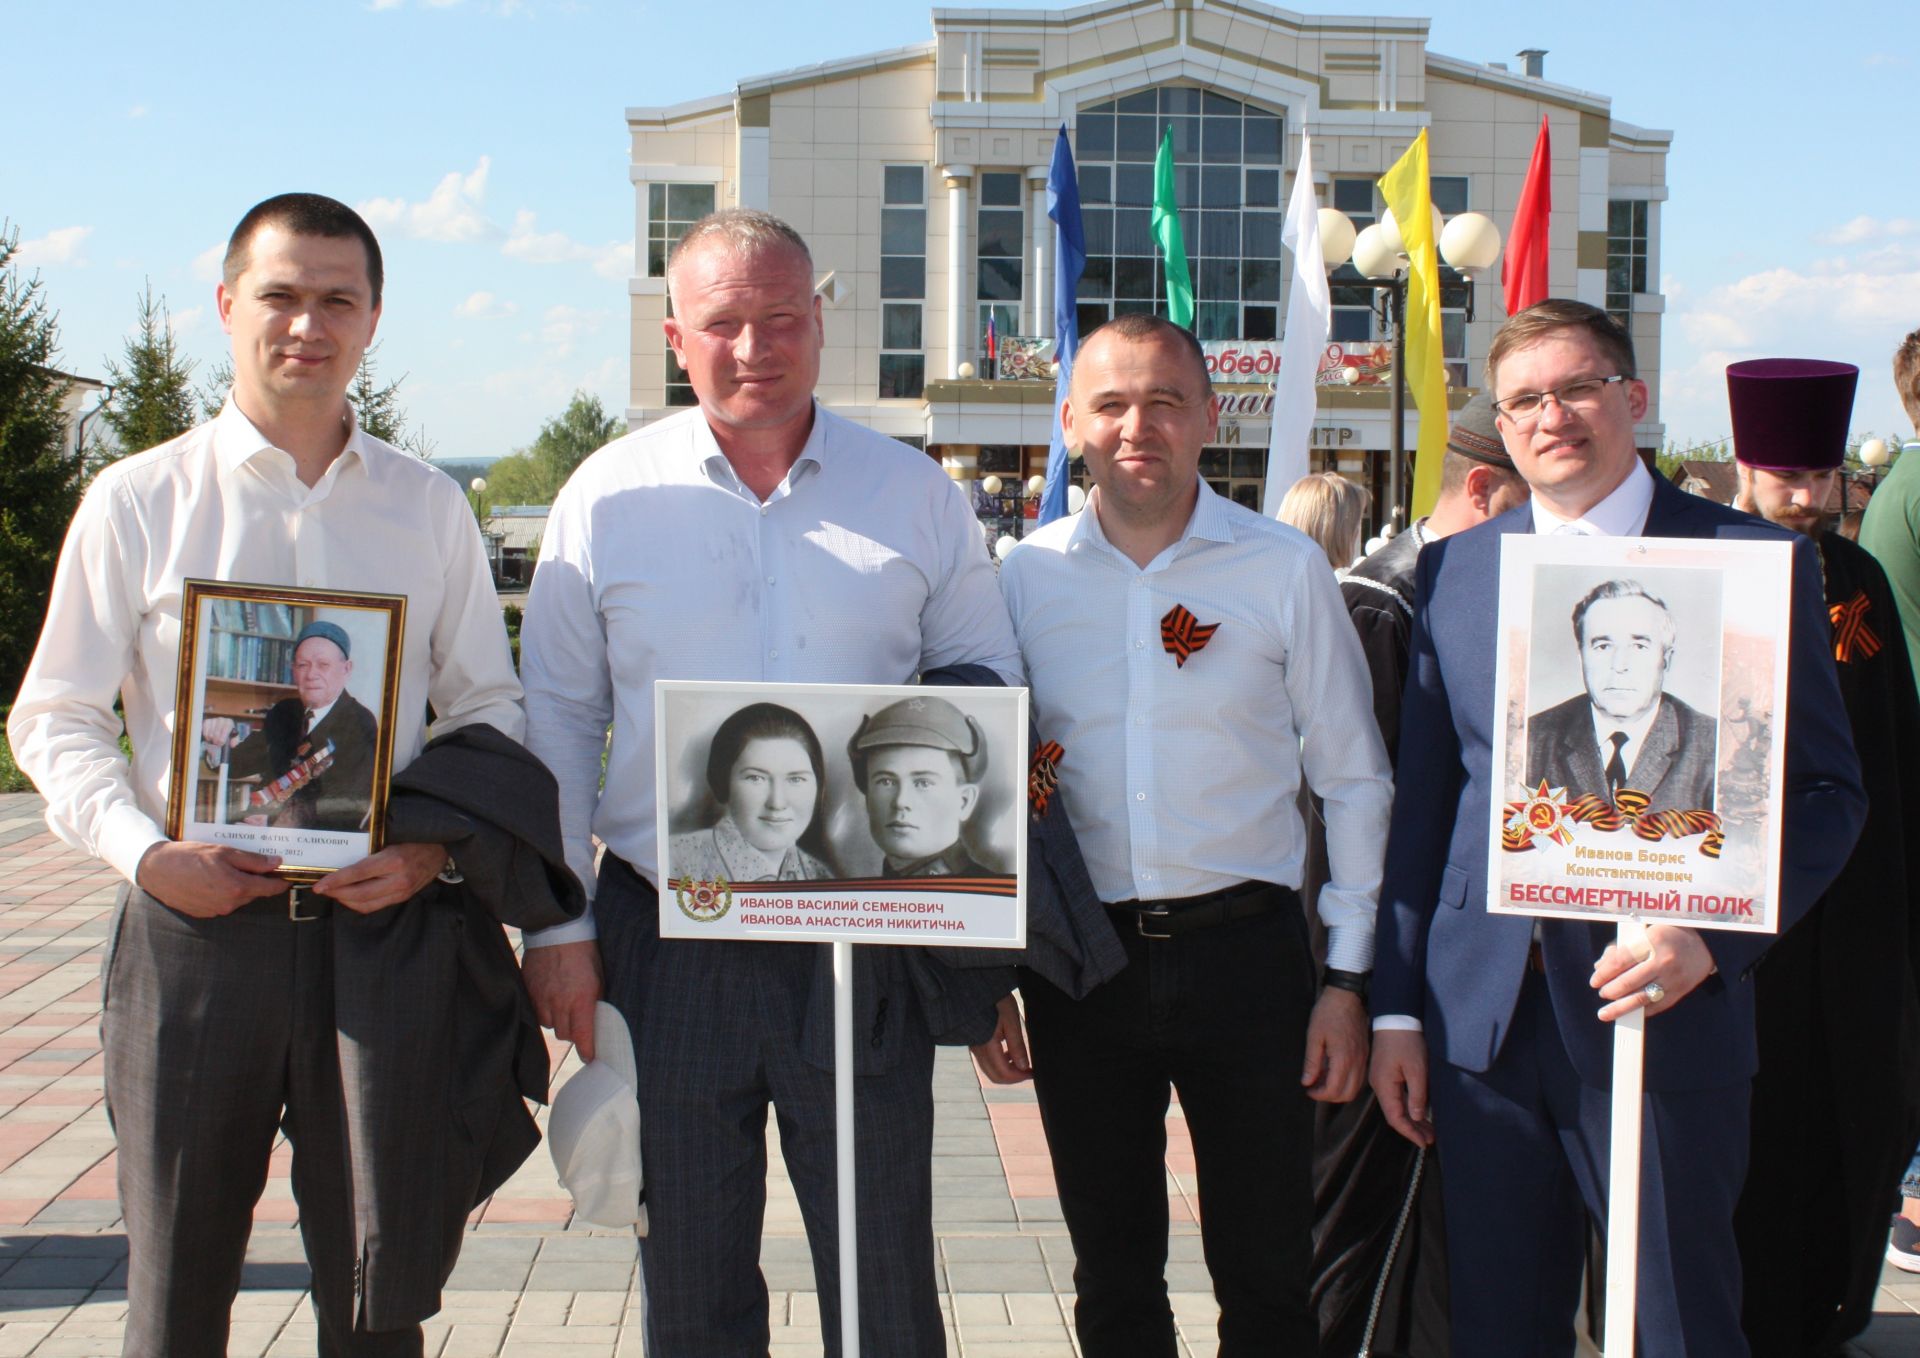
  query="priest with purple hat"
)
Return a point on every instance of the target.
[{"x": 1836, "y": 1105}]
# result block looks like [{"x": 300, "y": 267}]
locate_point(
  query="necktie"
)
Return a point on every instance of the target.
[
  {"x": 1616, "y": 766},
  {"x": 307, "y": 728}
]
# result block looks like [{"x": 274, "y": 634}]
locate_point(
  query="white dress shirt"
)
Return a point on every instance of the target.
[
  {"x": 864, "y": 566},
  {"x": 221, "y": 503},
  {"x": 1182, "y": 780}
]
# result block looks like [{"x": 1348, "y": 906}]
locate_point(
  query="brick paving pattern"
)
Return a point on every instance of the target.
[{"x": 530, "y": 1281}]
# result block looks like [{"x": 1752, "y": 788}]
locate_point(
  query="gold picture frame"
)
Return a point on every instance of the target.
[{"x": 281, "y": 747}]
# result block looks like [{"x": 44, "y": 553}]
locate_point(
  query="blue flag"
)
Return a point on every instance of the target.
[{"x": 1070, "y": 261}]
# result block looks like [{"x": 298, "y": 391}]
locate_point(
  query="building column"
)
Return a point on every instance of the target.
[
  {"x": 1042, "y": 234},
  {"x": 959, "y": 338}
]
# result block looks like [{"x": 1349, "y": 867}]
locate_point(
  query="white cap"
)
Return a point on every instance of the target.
[{"x": 594, "y": 1131}]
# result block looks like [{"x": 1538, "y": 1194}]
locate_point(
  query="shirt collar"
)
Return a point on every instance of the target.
[
  {"x": 237, "y": 441},
  {"x": 706, "y": 450},
  {"x": 1635, "y": 730},
  {"x": 1211, "y": 521},
  {"x": 1622, "y": 514}
]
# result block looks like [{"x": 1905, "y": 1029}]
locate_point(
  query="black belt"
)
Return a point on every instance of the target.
[
  {"x": 1171, "y": 918},
  {"x": 298, "y": 905}
]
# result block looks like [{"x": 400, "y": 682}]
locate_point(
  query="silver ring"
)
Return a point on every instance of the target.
[{"x": 1654, "y": 991}]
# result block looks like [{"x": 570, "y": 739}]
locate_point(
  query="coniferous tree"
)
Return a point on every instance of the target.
[
  {"x": 40, "y": 476},
  {"x": 153, "y": 395}
]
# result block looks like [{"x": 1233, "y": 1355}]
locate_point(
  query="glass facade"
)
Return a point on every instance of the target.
[
  {"x": 1626, "y": 255},
  {"x": 1227, "y": 178},
  {"x": 671, "y": 209},
  {"x": 903, "y": 281}
]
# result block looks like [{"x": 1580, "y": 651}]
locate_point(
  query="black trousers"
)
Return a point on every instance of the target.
[
  {"x": 1220, "y": 1015},
  {"x": 217, "y": 1033}
]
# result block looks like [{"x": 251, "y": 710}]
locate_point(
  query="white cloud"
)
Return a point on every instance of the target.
[
  {"x": 612, "y": 260},
  {"x": 452, "y": 212},
  {"x": 60, "y": 246},
  {"x": 552, "y": 383},
  {"x": 1886, "y": 59},
  {"x": 186, "y": 321},
  {"x": 137, "y": 111},
  {"x": 1853, "y": 308},
  {"x": 484, "y": 306},
  {"x": 1864, "y": 228},
  {"x": 209, "y": 263},
  {"x": 561, "y": 326}
]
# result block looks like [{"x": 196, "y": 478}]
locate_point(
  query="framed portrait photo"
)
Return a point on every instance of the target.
[
  {"x": 1638, "y": 754},
  {"x": 283, "y": 737},
  {"x": 870, "y": 813}
]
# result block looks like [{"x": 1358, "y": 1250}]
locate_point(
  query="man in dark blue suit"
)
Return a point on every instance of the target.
[{"x": 1521, "y": 1043}]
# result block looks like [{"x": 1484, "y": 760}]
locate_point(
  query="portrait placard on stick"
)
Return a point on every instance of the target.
[
  {"x": 283, "y": 737},
  {"x": 1639, "y": 750},
  {"x": 870, "y": 813}
]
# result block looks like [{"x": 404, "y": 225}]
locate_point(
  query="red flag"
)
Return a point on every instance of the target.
[{"x": 1524, "y": 271}]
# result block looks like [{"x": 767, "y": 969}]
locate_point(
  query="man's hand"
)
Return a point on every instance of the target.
[
  {"x": 1676, "y": 959},
  {"x": 397, "y": 873},
  {"x": 206, "y": 880},
  {"x": 1336, "y": 1065},
  {"x": 564, "y": 980},
  {"x": 1003, "y": 1057},
  {"x": 1400, "y": 1082}
]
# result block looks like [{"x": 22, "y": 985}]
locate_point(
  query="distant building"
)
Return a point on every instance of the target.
[
  {"x": 80, "y": 400},
  {"x": 1717, "y": 481},
  {"x": 514, "y": 531},
  {"x": 918, "y": 177}
]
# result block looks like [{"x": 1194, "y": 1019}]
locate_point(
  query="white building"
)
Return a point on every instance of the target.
[{"x": 918, "y": 178}]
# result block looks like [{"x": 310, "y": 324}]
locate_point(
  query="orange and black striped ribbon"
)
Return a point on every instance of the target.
[
  {"x": 1851, "y": 635},
  {"x": 1043, "y": 775},
  {"x": 1182, "y": 634}
]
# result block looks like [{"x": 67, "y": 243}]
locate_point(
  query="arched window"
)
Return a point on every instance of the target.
[{"x": 1227, "y": 171}]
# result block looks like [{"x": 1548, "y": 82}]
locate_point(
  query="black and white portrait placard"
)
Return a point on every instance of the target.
[
  {"x": 1639, "y": 749},
  {"x": 283, "y": 738},
  {"x": 813, "y": 812}
]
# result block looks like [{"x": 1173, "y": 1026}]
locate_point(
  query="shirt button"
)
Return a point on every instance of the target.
[
  {"x": 763, "y": 511},
  {"x": 773, "y": 655},
  {"x": 1139, "y": 796},
  {"x": 769, "y": 579},
  {"x": 1137, "y": 645}
]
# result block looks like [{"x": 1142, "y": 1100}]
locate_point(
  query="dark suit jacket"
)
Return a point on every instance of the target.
[
  {"x": 1442, "y": 958},
  {"x": 1674, "y": 767},
  {"x": 338, "y": 799}
]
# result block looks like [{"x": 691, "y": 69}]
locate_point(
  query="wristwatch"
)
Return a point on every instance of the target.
[{"x": 1356, "y": 981}]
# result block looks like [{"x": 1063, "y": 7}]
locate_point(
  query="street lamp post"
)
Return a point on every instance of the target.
[{"x": 1468, "y": 243}]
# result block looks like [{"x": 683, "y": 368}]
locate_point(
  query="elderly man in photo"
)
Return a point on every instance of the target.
[
  {"x": 1836, "y": 1105},
  {"x": 918, "y": 763},
  {"x": 233, "y": 1009},
  {"x": 757, "y": 537},
  {"x": 324, "y": 728},
  {"x": 1626, "y": 731},
  {"x": 1195, "y": 663},
  {"x": 1517, "y": 1012}
]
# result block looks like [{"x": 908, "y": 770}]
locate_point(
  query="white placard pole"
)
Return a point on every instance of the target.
[
  {"x": 1623, "y": 1164},
  {"x": 843, "y": 1145}
]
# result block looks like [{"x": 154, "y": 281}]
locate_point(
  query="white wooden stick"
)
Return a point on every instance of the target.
[
  {"x": 1623, "y": 1168},
  {"x": 843, "y": 1142}
]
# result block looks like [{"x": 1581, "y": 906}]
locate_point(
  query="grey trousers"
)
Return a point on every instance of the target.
[
  {"x": 218, "y": 1032},
  {"x": 716, "y": 1037}
]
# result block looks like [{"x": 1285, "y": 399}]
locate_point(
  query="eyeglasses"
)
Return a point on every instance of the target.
[{"x": 1583, "y": 394}]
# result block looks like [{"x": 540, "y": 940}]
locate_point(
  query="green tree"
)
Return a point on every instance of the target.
[
  {"x": 567, "y": 440},
  {"x": 213, "y": 391},
  {"x": 1667, "y": 461},
  {"x": 40, "y": 476},
  {"x": 153, "y": 395},
  {"x": 378, "y": 408},
  {"x": 516, "y": 480}
]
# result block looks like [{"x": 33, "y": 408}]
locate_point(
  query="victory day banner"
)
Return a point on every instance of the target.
[
  {"x": 1640, "y": 748},
  {"x": 869, "y": 813}
]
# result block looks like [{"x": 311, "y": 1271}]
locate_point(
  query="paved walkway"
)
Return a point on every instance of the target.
[{"x": 530, "y": 1282}]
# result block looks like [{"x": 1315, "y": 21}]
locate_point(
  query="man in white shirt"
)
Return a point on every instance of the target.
[
  {"x": 1517, "y": 1011},
  {"x": 218, "y": 1017},
  {"x": 757, "y": 537},
  {"x": 1194, "y": 661}
]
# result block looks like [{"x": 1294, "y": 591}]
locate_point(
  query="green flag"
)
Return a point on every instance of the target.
[{"x": 1166, "y": 232}]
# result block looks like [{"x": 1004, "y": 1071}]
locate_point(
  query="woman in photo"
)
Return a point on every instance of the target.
[{"x": 765, "y": 768}]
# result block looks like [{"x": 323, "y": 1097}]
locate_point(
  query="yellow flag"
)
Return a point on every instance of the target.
[{"x": 1410, "y": 199}]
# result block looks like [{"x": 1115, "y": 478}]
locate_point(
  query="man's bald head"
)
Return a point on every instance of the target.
[{"x": 1139, "y": 328}]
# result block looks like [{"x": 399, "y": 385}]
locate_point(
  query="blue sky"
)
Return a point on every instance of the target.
[{"x": 486, "y": 139}]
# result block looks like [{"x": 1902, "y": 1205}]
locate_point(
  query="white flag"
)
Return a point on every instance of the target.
[{"x": 1309, "y": 319}]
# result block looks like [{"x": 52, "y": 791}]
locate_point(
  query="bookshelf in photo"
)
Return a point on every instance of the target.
[{"x": 249, "y": 667}]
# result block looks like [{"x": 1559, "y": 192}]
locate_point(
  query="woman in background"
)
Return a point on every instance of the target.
[{"x": 1328, "y": 508}]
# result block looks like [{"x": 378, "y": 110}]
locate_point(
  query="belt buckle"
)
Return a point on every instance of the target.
[
  {"x": 294, "y": 897},
  {"x": 1158, "y": 912}
]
